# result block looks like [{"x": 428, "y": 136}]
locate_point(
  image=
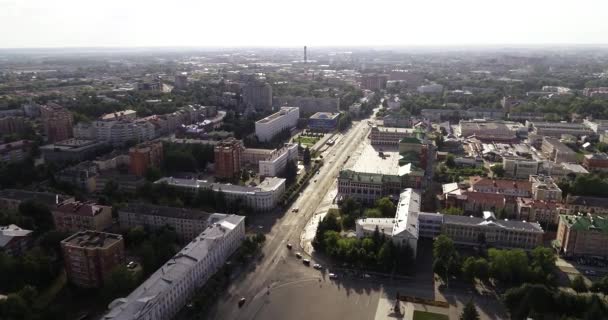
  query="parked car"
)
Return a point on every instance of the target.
[
  {"x": 289, "y": 246},
  {"x": 333, "y": 276},
  {"x": 242, "y": 302},
  {"x": 131, "y": 265},
  {"x": 306, "y": 262},
  {"x": 317, "y": 266},
  {"x": 298, "y": 255}
]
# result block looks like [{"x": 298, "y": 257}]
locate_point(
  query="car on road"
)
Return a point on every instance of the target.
[
  {"x": 333, "y": 276},
  {"x": 315, "y": 180},
  {"x": 590, "y": 272},
  {"x": 366, "y": 276},
  {"x": 131, "y": 265},
  {"x": 317, "y": 266},
  {"x": 242, "y": 302},
  {"x": 298, "y": 255},
  {"x": 295, "y": 210},
  {"x": 306, "y": 262},
  {"x": 289, "y": 246}
]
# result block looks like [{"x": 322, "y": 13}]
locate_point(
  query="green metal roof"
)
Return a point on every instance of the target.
[{"x": 585, "y": 223}]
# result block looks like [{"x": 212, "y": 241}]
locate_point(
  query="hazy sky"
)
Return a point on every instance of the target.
[{"x": 84, "y": 23}]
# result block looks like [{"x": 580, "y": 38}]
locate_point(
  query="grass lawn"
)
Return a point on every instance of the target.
[
  {"x": 423, "y": 315},
  {"x": 307, "y": 141}
]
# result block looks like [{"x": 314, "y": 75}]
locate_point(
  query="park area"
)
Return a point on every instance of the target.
[{"x": 308, "y": 139}]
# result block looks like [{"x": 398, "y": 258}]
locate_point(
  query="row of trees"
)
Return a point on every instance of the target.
[
  {"x": 187, "y": 157},
  {"x": 376, "y": 252},
  {"x": 580, "y": 285},
  {"x": 508, "y": 267},
  {"x": 538, "y": 301}
]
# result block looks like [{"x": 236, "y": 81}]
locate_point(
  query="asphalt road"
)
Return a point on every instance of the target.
[{"x": 278, "y": 268}]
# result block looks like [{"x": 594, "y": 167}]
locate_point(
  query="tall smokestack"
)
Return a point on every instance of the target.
[{"x": 305, "y": 59}]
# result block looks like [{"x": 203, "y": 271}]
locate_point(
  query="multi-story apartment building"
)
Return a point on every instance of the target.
[
  {"x": 557, "y": 151},
  {"x": 10, "y": 199},
  {"x": 544, "y": 212},
  {"x": 71, "y": 150},
  {"x": 398, "y": 121},
  {"x": 521, "y": 168},
  {"x": 57, "y": 121},
  {"x": 119, "y": 115},
  {"x": 75, "y": 216},
  {"x": 505, "y": 187},
  {"x": 82, "y": 176},
  {"x": 374, "y": 81},
  {"x": 599, "y": 92},
  {"x": 308, "y": 105},
  {"x": 228, "y": 158},
  {"x": 465, "y": 230},
  {"x": 144, "y": 156},
  {"x": 15, "y": 240},
  {"x": 368, "y": 187},
  {"x": 168, "y": 289},
  {"x": 257, "y": 95},
  {"x": 582, "y": 235},
  {"x": 252, "y": 156},
  {"x": 596, "y": 161},
  {"x": 285, "y": 119},
  {"x": 584, "y": 204},
  {"x": 263, "y": 197},
  {"x": 119, "y": 132},
  {"x": 187, "y": 223},
  {"x": 556, "y": 129},
  {"x": 276, "y": 163},
  {"x": 16, "y": 151},
  {"x": 544, "y": 188},
  {"x": 391, "y": 136},
  {"x": 430, "y": 89},
  {"x": 12, "y": 124},
  {"x": 90, "y": 256}
]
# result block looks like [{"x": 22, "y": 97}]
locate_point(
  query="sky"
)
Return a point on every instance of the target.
[{"x": 287, "y": 23}]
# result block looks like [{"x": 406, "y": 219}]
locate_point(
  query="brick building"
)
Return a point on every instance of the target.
[
  {"x": 57, "y": 121},
  {"x": 90, "y": 256},
  {"x": 144, "y": 156},
  {"x": 228, "y": 158}
]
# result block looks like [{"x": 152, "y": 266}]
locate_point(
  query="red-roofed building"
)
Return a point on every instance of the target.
[
  {"x": 75, "y": 216},
  {"x": 537, "y": 210},
  {"x": 505, "y": 187}
]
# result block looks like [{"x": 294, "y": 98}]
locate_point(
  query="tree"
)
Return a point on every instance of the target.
[
  {"x": 600, "y": 285},
  {"x": 290, "y": 172},
  {"x": 386, "y": 207},
  {"x": 509, "y": 266},
  {"x": 498, "y": 170},
  {"x": 119, "y": 282},
  {"x": 578, "y": 284},
  {"x": 453, "y": 211},
  {"x": 449, "y": 161},
  {"x": 445, "y": 257},
  {"x": 39, "y": 213},
  {"x": 306, "y": 156},
  {"x": 153, "y": 174},
  {"x": 469, "y": 312}
]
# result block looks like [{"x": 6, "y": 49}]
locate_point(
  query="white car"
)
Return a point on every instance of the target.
[
  {"x": 317, "y": 266},
  {"x": 333, "y": 276}
]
